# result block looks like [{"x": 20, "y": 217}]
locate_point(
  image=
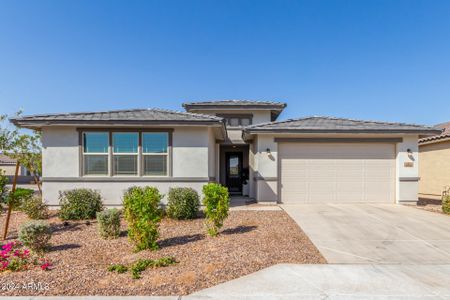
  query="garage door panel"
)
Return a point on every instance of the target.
[{"x": 314, "y": 173}]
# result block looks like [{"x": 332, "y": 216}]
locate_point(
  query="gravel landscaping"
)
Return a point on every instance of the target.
[
  {"x": 429, "y": 205},
  {"x": 250, "y": 241}
]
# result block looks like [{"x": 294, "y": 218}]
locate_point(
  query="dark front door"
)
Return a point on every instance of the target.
[{"x": 234, "y": 172}]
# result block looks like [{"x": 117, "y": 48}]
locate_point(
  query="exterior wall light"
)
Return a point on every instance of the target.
[{"x": 268, "y": 150}]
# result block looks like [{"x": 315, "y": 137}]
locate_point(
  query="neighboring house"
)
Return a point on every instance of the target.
[
  {"x": 8, "y": 166},
  {"x": 434, "y": 156},
  {"x": 306, "y": 160}
]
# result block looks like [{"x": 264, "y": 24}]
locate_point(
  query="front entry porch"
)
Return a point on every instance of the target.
[{"x": 234, "y": 169}]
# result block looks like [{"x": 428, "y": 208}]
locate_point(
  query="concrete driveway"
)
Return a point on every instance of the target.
[{"x": 375, "y": 233}]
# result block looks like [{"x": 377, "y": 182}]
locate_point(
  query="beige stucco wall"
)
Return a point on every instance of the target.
[
  {"x": 111, "y": 192},
  {"x": 434, "y": 169},
  {"x": 407, "y": 177},
  {"x": 193, "y": 163},
  {"x": 60, "y": 154},
  {"x": 266, "y": 169}
]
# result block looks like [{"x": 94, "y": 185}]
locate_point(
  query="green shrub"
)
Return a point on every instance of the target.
[
  {"x": 446, "y": 204},
  {"x": 118, "y": 268},
  {"x": 142, "y": 213},
  {"x": 138, "y": 267},
  {"x": 3, "y": 188},
  {"x": 19, "y": 197},
  {"x": 183, "y": 203},
  {"x": 79, "y": 204},
  {"x": 35, "y": 235},
  {"x": 109, "y": 223},
  {"x": 216, "y": 201},
  {"x": 35, "y": 208}
]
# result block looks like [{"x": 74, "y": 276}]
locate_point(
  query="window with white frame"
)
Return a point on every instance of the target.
[
  {"x": 155, "y": 153},
  {"x": 95, "y": 153},
  {"x": 125, "y": 153},
  {"x": 131, "y": 154}
]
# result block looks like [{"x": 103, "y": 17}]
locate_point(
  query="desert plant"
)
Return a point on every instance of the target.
[
  {"x": 138, "y": 267},
  {"x": 109, "y": 223},
  {"x": 183, "y": 203},
  {"x": 19, "y": 197},
  {"x": 35, "y": 235},
  {"x": 79, "y": 204},
  {"x": 35, "y": 208},
  {"x": 143, "y": 214},
  {"x": 446, "y": 201},
  {"x": 117, "y": 268},
  {"x": 216, "y": 201}
]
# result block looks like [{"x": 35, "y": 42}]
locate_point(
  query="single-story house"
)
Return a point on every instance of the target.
[
  {"x": 237, "y": 143},
  {"x": 8, "y": 167},
  {"x": 434, "y": 170}
]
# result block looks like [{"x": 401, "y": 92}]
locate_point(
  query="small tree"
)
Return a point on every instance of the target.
[
  {"x": 26, "y": 149},
  {"x": 217, "y": 201},
  {"x": 142, "y": 212}
]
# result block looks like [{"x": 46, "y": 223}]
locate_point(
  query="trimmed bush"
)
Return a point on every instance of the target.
[
  {"x": 35, "y": 208},
  {"x": 109, "y": 223},
  {"x": 446, "y": 204},
  {"x": 143, "y": 214},
  {"x": 216, "y": 201},
  {"x": 35, "y": 235},
  {"x": 79, "y": 204},
  {"x": 183, "y": 203}
]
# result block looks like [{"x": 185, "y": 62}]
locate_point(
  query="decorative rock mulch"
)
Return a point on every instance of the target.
[{"x": 250, "y": 241}]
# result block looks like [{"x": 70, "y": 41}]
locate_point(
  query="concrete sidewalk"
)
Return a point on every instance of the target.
[
  {"x": 288, "y": 281},
  {"x": 291, "y": 281}
]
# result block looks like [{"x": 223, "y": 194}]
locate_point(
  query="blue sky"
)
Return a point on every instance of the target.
[{"x": 382, "y": 60}]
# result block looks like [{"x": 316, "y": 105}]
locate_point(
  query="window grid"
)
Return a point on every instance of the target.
[
  {"x": 87, "y": 155},
  {"x": 139, "y": 155}
]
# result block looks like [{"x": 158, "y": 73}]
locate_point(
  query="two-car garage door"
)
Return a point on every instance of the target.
[{"x": 337, "y": 172}]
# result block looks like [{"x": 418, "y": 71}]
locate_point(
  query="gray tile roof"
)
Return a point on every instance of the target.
[
  {"x": 336, "y": 125},
  {"x": 235, "y": 103},
  {"x": 444, "y": 135},
  {"x": 151, "y": 115}
]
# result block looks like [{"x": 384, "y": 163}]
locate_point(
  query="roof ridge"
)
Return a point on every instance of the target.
[
  {"x": 81, "y": 113},
  {"x": 118, "y": 111},
  {"x": 185, "y": 113},
  {"x": 237, "y": 101}
]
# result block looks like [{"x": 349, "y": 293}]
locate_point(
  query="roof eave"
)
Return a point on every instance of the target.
[
  {"x": 38, "y": 124},
  {"x": 247, "y": 133}
]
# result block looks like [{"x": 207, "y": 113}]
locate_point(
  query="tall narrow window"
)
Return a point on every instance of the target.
[
  {"x": 95, "y": 153},
  {"x": 155, "y": 153},
  {"x": 125, "y": 153}
]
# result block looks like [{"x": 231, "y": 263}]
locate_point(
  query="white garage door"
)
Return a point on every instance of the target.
[{"x": 335, "y": 172}]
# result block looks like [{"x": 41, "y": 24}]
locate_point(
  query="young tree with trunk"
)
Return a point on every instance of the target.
[{"x": 26, "y": 149}]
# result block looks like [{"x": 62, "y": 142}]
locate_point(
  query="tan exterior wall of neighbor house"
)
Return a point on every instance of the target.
[
  {"x": 8, "y": 170},
  {"x": 434, "y": 169}
]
